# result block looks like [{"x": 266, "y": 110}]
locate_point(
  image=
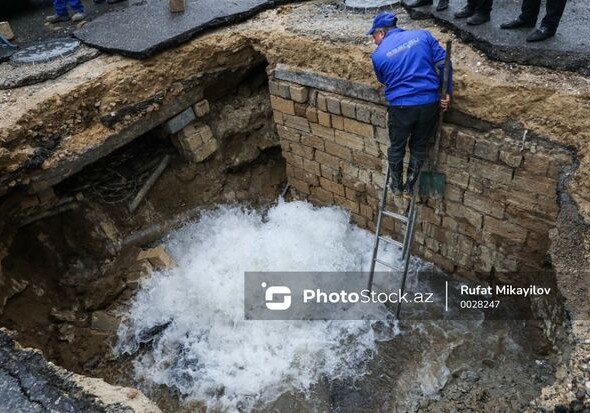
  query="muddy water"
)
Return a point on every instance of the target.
[{"x": 186, "y": 329}]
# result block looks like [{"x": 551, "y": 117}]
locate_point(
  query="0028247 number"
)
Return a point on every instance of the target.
[{"x": 480, "y": 303}]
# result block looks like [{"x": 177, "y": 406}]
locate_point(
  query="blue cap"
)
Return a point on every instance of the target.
[{"x": 385, "y": 19}]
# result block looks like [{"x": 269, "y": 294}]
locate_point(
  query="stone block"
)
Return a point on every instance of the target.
[
  {"x": 483, "y": 204},
  {"x": 176, "y": 6},
  {"x": 139, "y": 271},
  {"x": 324, "y": 119},
  {"x": 278, "y": 117},
  {"x": 511, "y": 157},
  {"x": 536, "y": 163},
  {"x": 158, "y": 257},
  {"x": 348, "y": 108},
  {"x": 455, "y": 161},
  {"x": 299, "y": 93},
  {"x": 428, "y": 215},
  {"x": 322, "y": 103},
  {"x": 459, "y": 211},
  {"x": 294, "y": 160},
  {"x": 358, "y": 220},
  {"x": 367, "y": 211},
  {"x": 322, "y": 195},
  {"x": 350, "y": 170},
  {"x": 196, "y": 143},
  {"x": 301, "y": 110},
  {"x": 273, "y": 87},
  {"x": 330, "y": 173},
  {"x": 367, "y": 161},
  {"x": 505, "y": 229},
  {"x": 333, "y": 105},
  {"x": 306, "y": 176},
  {"x": 326, "y": 159},
  {"x": 491, "y": 171},
  {"x": 322, "y": 131},
  {"x": 300, "y": 185},
  {"x": 312, "y": 167},
  {"x": 311, "y": 114},
  {"x": 337, "y": 122},
  {"x": 6, "y": 31},
  {"x": 372, "y": 148},
  {"x": 201, "y": 108},
  {"x": 297, "y": 122},
  {"x": 332, "y": 186},
  {"x": 453, "y": 193},
  {"x": 306, "y": 152},
  {"x": 382, "y": 135},
  {"x": 548, "y": 206},
  {"x": 535, "y": 184},
  {"x": 313, "y": 141},
  {"x": 379, "y": 116},
  {"x": 363, "y": 113},
  {"x": 350, "y": 140},
  {"x": 529, "y": 220},
  {"x": 288, "y": 134},
  {"x": 284, "y": 90},
  {"x": 282, "y": 105},
  {"x": 464, "y": 142},
  {"x": 178, "y": 122},
  {"x": 352, "y": 206},
  {"x": 486, "y": 150},
  {"x": 338, "y": 150},
  {"x": 358, "y": 128}
]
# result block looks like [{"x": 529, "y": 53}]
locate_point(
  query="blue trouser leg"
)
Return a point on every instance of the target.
[
  {"x": 60, "y": 7},
  {"x": 76, "y": 6}
]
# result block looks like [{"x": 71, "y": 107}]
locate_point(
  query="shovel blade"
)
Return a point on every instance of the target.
[{"x": 432, "y": 184}]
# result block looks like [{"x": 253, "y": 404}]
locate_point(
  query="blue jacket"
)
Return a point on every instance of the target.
[{"x": 410, "y": 63}]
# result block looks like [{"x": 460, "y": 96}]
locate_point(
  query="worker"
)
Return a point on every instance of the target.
[
  {"x": 528, "y": 18},
  {"x": 61, "y": 11},
  {"x": 410, "y": 63}
]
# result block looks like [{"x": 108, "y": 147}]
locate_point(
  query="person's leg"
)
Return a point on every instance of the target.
[
  {"x": 482, "y": 12},
  {"x": 76, "y": 6},
  {"x": 60, "y": 7},
  {"x": 554, "y": 12},
  {"x": 530, "y": 11},
  {"x": 422, "y": 133},
  {"x": 467, "y": 11},
  {"x": 400, "y": 123}
]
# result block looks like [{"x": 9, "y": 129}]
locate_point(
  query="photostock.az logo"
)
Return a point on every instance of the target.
[{"x": 283, "y": 293}]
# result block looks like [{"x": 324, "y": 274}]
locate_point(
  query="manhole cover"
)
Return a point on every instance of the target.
[
  {"x": 46, "y": 51},
  {"x": 370, "y": 4}
]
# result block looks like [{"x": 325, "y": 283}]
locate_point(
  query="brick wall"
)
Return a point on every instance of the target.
[{"x": 500, "y": 202}]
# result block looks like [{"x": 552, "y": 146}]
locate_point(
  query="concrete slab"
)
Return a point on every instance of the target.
[
  {"x": 569, "y": 49},
  {"x": 149, "y": 27}
]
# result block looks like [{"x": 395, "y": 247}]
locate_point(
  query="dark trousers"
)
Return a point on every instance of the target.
[
  {"x": 60, "y": 6},
  {"x": 481, "y": 5},
  {"x": 554, "y": 8},
  {"x": 416, "y": 123}
]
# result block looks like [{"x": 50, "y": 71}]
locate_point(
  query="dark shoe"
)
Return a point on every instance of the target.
[
  {"x": 516, "y": 24},
  {"x": 464, "y": 12},
  {"x": 418, "y": 3},
  {"x": 412, "y": 177},
  {"x": 395, "y": 182},
  {"x": 442, "y": 5},
  {"x": 56, "y": 18},
  {"x": 478, "y": 18},
  {"x": 114, "y": 1},
  {"x": 98, "y": 1},
  {"x": 542, "y": 33}
]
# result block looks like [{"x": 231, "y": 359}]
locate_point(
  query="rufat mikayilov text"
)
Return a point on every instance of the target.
[{"x": 504, "y": 290}]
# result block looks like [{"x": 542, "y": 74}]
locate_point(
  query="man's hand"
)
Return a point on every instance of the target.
[{"x": 445, "y": 102}]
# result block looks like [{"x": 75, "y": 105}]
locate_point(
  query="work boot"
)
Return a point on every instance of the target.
[
  {"x": 418, "y": 3},
  {"x": 56, "y": 18},
  {"x": 395, "y": 182},
  {"x": 478, "y": 18},
  {"x": 517, "y": 23},
  {"x": 442, "y": 5},
  {"x": 114, "y": 1},
  {"x": 78, "y": 17},
  {"x": 542, "y": 33},
  {"x": 464, "y": 12},
  {"x": 412, "y": 177}
]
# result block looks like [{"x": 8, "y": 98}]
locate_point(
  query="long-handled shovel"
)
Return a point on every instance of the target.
[{"x": 432, "y": 183}]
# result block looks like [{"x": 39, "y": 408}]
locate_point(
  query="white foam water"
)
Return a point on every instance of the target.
[{"x": 209, "y": 352}]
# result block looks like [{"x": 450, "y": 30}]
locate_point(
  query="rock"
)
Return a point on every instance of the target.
[
  {"x": 63, "y": 315},
  {"x": 176, "y": 6},
  {"x": 103, "y": 321},
  {"x": 66, "y": 333},
  {"x": 179, "y": 121},
  {"x": 201, "y": 108},
  {"x": 138, "y": 272},
  {"x": 580, "y": 395},
  {"x": 9, "y": 289},
  {"x": 158, "y": 257},
  {"x": 6, "y": 31}
]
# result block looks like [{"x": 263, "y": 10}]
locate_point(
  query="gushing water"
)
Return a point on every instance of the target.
[{"x": 205, "y": 349}]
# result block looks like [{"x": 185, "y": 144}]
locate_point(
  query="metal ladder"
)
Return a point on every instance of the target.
[{"x": 409, "y": 218}]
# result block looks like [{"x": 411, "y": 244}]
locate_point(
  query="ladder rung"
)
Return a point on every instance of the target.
[
  {"x": 391, "y": 241},
  {"x": 386, "y": 264},
  {"x": 396, "y": 216}
]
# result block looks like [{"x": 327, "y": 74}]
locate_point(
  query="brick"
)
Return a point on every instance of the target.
[
  {"x": 327, "y": 159},
  {"x": 449, "y": 223},
  {"x": 282, "y": 105},
  {"x": 348, "y": 108},
  {"x": 329, "y": 173},
  {"x": 486, "y": 150},
  {"x": 511, "y": 157},
  {"x": 338, "y": 150},
  {"x": 475, "y": 185},
  {"x": 306, "y": 152},
  {"x": 453, "y": 193},
  {"x": 350, "y": 140},
  {"x": 358, "y": 220},
  {"x": 297, "y": 122},
  {"x": 158, "y": 257},
  {"x": 293, "y": 159},
  {"x": 284, "y": 90},
  {"x": 201, "y": 108},
  {"x": 372, "y": 148},
  {"x": 299, "y": 185},
  {"x": 363, "y": 113},
  {"x": 306, "y": 176},
  {"x": 537, "y": 163},
  {"x": 324, "y": 119},
  {"x": 288, "y": 134},
  {"x": 311, "y": 114},
  {"x": 322, "y": 195},
  {"x": 382, "y": 135},
  {"x": 535, "y": 184},
  {"x": 322, "y": 131},
  {"x": 548, "y": 206},
  {"x": 428, "y": 215},
  {"x": 459, "y": 211},
  {"x": 491, "y": 171},
  {"x": 332, "y": 186},
  {"x": 379, "y": 116},
  {"x": 299, "y": 93},
  {"x": 337, "y": 122},
  {"x": 322, "y": 103},
  {"x": 441, "y": 262},
  {"x": 531, "y": 221},
  {"x": 366, "y": 211},
  {"x": 483, "y": 205},
  {"x": 464, "y": 142},
  {"x": 312, "y": 167},
  {"x": 333, "y": 104},
  {"x": 504, "y": 229},
  {"x": 454, "y": 176},
  {"x": 353, "y": 195},
  {"x": 358, "y": 128},
  {"x": 301, "y": 110},
  {"x": 353, "y": 183},
  {"x": 273, "y": 87},
  {"x": 313, "y": 141},
  {"x": 179, "y": 121},
  {"x": 350, "y": 170},
  {"x": 523, "y": 200},
  {"x": 367, "y": 161},
  {"x": 352, "y": 206},
  {"x": 455, "y": 161},
  {"x": 277, "y": 117},
  {"x": 205, "y": 151}
]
